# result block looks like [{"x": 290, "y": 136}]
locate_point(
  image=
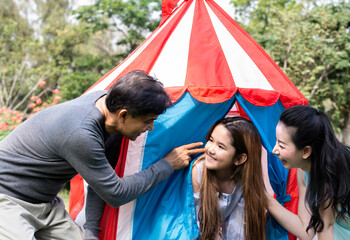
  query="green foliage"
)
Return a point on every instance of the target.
[
  {"x": 46, "y": 53},
  {"x": 132, "y": 20},
  {"x": 87, "y": 70},
  {"x": 64, "y": 194},
  {"x": 17, "y": 46},
  {"x": 4, "y": 133},
  {"x": 74, "y": 84},
  {"x": 310, "y": 42}
]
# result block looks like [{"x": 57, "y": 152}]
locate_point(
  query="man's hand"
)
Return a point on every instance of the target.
[{"x": 180, "y": 157}]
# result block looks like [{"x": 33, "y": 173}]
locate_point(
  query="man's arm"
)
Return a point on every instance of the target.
[
  {"x": 95, "y": 205},
  {"x": 93, "y": 214},
  {"x": 89, "y": 160}
]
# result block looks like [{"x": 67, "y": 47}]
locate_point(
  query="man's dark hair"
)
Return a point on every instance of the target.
[{"x": 139, "y": 93}]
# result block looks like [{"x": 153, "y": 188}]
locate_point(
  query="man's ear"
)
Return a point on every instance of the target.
[
  {"x": 307, "y": 152},
  {"x": 240, "y": 159},
  {"x": 122, "y": 115}
]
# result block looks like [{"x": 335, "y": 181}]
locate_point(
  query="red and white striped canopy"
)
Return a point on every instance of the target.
[{"x": 199, "y": 48}]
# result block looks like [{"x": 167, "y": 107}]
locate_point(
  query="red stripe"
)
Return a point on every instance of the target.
[
  {"x": 259, "y": 97},
  {"x": 293, "y": 190},
  {"x": 175, "y": 92},
  {"x": 109, "y": 221},
  {"x": 207, "y": 66},
  {"x": 76, "y": 196},
  {"x": 278, "y": 80},
  {"x": 212, "y": 94},
  {"x": 167, "y": 8},
  {"x": 147, "y": 58}
]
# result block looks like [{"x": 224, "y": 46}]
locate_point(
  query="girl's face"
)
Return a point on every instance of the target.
[
  {"x": 219, "y": 152},
  {"x": 286, "y": 150}
]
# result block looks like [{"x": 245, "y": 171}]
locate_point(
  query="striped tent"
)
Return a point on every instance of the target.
[{"x": 209, "y": 65}]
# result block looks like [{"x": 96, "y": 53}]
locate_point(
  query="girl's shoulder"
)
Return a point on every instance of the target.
[{"x": 197, "y": 170}]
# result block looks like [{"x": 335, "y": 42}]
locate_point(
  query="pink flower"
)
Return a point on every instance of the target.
[
  {"x": 56, "y": 99},
  {"x": 32, "y": 105},
  {"x": 56, "y": 91},
  {"x": 19, "y": 120},
  {"x": 4, "y": 126},
  {"x": 14, "y": 126},
  {"x": 2, "y": 109},
  {"x": 38, "y": 101},
  {"x": 42, "y": 83},
  {"x": 33, "y": 98}
]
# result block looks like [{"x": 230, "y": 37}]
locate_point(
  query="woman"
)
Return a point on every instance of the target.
[
  {"x": 228, "y": 184},
  {"x": 306, "y": 140}
]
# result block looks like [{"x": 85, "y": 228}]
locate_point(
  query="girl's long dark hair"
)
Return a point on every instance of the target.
[
  {"x": 245, "y": 138},
  {"x": 330, "y": 162}
]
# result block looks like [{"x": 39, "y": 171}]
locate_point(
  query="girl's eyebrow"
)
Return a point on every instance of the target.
[
  {"x": 218, "y": 142},
  {"x": 279, "y": 141},
  {"x": 221, "y": 143}
]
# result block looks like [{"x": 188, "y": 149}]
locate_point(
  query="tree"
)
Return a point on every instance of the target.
[
  {"x": 130, "y": 20},
  {"x": 310, "y": 42},
  {"x": 20, "y": 72},
  {"x": 41, "y": 45}
]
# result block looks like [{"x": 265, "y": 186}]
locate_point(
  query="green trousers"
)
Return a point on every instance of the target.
[{"x": 21, "y": 220}]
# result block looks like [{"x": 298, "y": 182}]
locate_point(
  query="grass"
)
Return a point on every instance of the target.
[{"x": 64, "y": 194}]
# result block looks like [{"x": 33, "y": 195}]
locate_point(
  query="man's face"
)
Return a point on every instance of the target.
[{"x": 130, "y": 127}]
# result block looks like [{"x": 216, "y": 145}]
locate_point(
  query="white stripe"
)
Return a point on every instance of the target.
[
  {"x": 81, "y": 218},
  {"x": 244, "y": 71},
  {"x": 133, "y": 161},
  {"x": 171, "y": 65},
  {"x": 103, "y": 84}
]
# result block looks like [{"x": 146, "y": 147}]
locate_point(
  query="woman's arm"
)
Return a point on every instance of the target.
[
  {"x": 328, "y": 217},
  {"x": 295, "y": 224}
]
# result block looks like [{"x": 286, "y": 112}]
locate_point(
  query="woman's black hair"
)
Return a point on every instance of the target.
[
  {"x": 330, "y": 162},
  {"x": 139, "y": 93}
]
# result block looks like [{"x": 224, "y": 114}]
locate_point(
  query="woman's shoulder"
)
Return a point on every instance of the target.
[{"x": 303, "y": 179}]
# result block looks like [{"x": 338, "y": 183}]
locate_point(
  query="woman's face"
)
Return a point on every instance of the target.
[
  {"x": 219, "y": 152},
  {"x": 286, "y": 150}
]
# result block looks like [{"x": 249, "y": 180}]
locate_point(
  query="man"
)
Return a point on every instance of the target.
[{"x": 50, "y": 148}]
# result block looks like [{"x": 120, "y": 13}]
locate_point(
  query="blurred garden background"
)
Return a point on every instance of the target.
[{"x": 52, "y": 51}]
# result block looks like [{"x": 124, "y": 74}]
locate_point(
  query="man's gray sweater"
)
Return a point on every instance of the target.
[{"x": 50, "y": 148}]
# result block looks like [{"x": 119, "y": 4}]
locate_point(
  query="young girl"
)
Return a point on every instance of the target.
[
  {"x": 306, "y": 140},
  {"x": 228, "y": 183}
]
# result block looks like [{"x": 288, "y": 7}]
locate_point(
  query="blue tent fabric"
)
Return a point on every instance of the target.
[
  {"x": 266, "y": 119},
  {"x": 171, "y": 202}
]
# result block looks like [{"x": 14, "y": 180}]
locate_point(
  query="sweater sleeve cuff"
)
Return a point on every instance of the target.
[
  {"x": 165, "y": 165},
  {"x": 91, "y": 234}
]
